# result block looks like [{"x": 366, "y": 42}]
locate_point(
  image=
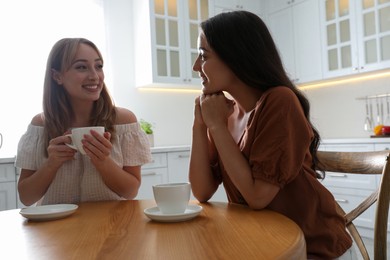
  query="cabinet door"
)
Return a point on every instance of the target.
[
  {"x": 196, "y": 12},
  {"x": 167, "y": 37},
  {"x": 277, "y": 5},
  {"x": 228, "y": 4},
  {"x": 295, "y": 30},
  {"x": 373, "y": 34},
  {"x": 340, "y": 48},
  {"x": 349, "y": 199},
  {"x": 7, "y": 186},
  {"x": 282, "y": 29},
  {"x": 165, "y": 41},
  {"x": 307, "y": 41},
  {"x": 382, "y": 146},
  {"x": 7, "y": 195},
  {"x": 221, "y": 6},
  {"x": 178, "y": 163},
  {"x": 150, "y": 177}
]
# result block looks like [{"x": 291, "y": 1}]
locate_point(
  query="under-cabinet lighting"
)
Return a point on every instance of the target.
[
  {"x": 175, "y": 90},
  {"x": 345, "y": 80},
  {"x": 303, "y": 87}
]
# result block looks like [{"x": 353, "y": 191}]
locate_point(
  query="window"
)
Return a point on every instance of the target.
[{"x": 28, "y": 30}]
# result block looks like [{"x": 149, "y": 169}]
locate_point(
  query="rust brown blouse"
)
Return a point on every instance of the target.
[{"x": 276, "y": 144}]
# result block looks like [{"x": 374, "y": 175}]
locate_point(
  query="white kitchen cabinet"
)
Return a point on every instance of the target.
[
  {"x": 277, "y": 5},
  {"x": 254, "y": 6},
  {"x": 356, "y": 36},
  {"x": 382, "y": 146},
  {"x": 351, "y": 189},
  {"x": 294, "y": 26},
  {"x": 178, "y": 164},
  {"x": 166, "y": 35},
  {"x": 153, "y": 173},
  {"x": 7, "y": 186}
]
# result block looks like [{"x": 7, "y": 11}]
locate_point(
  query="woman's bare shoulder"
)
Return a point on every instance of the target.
[
  {"x": 38, "y": 120},
  {"x": 124, "y": 116}
]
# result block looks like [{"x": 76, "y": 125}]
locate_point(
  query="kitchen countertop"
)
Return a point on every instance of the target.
[
  {"x": 356, "y": 140},
  {"x": 7, "y": 160},
  {"x": 157, "y": 149},
  {"x": 163, "y": 149}
]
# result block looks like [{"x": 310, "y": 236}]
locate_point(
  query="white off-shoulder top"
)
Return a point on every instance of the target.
[{"x": 77, "y": 180}]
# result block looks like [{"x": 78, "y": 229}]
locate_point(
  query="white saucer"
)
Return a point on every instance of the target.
[
  {"x": 48, "y": 212},
  {"x": 191, "y": 212}
]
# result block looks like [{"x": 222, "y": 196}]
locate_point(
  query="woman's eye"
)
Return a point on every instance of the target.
[
  {"x": 81, "y": 67},
  {"x": 99, "y": 66}
]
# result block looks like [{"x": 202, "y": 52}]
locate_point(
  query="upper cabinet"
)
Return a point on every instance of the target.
[
  {"x": 294, "y": 26},
  {"x": 356, "y": 36},
  {"x": 254, "y": 6},
  {"x": 166, "y": 33}
]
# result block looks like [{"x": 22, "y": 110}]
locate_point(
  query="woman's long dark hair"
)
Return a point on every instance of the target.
[{"x": 243, "y": 42}]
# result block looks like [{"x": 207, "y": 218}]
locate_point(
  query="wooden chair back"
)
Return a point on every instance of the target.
[{"x": 377, "y": 162}]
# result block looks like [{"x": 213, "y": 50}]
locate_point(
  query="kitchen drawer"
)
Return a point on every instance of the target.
[
  {"x": 7, "y": 195},
  {"x": 159, "y": 160},
  {"x": 353, "y": 181},
  {"x": 349, "y": 200},
  {"x": 382, "y": 146},
  {"x": 7, "y": 172},
  {"x": 358, "y": 147},
  {"x": 150, "y": 177}
]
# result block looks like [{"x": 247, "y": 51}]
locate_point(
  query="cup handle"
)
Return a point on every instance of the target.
[
  {"x": 1, "y": 140},
  {"x": 71, "y": 145}
]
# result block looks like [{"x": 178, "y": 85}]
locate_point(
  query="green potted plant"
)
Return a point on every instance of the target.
[{"x": 148, "y": 129}]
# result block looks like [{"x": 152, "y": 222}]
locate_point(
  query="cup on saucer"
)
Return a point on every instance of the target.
[{"x": 172, "y": 198}]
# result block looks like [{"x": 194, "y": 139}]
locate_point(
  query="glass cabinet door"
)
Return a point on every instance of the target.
[
  {"x": 198, "y": 11},
  {"x": 374, "y": 31},
  {"x": 176, "y": 24},
  {"x": 167, "y": 38},
  {"x": 340, "y": 47}
]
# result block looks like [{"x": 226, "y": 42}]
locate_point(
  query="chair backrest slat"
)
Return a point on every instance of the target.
[{"x": 375, "y": 162}]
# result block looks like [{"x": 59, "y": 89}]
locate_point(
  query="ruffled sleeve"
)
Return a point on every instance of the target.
[
  {"x": 31, "y": 148},
  {"x": 133, "y": 144},
  {"x": 278, "y": 137}
]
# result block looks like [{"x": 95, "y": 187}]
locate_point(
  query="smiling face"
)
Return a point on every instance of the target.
[
  {"x": 83, "y": 80},
  {"x": 215, "y": 74}
]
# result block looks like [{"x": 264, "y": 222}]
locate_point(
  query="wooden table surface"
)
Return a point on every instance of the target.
[{"x": 120, "y": 230}]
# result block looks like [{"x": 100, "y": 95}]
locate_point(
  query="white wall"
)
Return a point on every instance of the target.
[{"x": 338, "y": 114}]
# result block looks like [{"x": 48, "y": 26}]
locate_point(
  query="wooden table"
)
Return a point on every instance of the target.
[{"x": 120, "y": 230}]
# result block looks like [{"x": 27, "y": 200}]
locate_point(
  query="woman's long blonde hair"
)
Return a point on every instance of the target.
[{"x": 57, "y": 109}]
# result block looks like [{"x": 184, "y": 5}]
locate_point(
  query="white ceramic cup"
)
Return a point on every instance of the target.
[
  {"x": 172, "y": 198},
  {"x": 78, "y": 134}
]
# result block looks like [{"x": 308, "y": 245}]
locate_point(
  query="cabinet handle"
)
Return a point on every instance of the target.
[
  {"x": 342, "y": 200},
  {"x": 337, "y": 175},
  {"x": 149, "y": 174},
  {"x": 184, "y": 155}
]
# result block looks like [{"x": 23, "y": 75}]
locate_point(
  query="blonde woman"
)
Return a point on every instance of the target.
[{"x": 75, "y": 95}]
